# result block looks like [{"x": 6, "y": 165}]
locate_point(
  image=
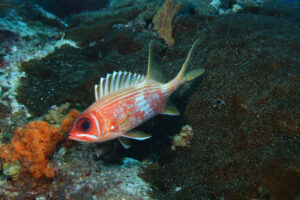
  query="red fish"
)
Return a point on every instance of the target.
[{"x": 125, "y": 100}]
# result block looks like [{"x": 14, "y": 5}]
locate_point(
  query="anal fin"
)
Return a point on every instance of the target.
[
  {"x": 171, "y": 110},
  {"x": 136, "y": 135}
]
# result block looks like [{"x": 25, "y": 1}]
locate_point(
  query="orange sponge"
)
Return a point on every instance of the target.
[
  {"x": 34, "y": 144},
  {"x": 66, "y": 124}
]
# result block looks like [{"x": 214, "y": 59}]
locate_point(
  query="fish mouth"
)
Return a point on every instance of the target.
[
  {"x": 73, "y": 137},
  {"x": 83, "y": 137}
]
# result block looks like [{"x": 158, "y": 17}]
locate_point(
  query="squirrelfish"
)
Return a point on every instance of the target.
[{"x": 125, "y": 100}]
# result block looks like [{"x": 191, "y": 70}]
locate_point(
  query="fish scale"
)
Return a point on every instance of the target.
[{"x": 138, "y": 106}]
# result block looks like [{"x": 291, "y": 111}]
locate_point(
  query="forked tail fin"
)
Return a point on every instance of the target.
[{"x": 182, "y": 75}]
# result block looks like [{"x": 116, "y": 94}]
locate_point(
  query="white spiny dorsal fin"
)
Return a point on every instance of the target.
[
  {"x": 115, "y": 82},
  {"x": 153, "y": 72}
]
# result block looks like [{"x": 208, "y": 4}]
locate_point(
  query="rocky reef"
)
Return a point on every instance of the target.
[
  {"x": 243, "y": 137},
  {"x": 244, "y": 114}
]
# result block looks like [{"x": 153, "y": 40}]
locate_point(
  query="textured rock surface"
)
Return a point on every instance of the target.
[
  {"x": 64, "y": 8},
  {"x": 252, "y": 64}
]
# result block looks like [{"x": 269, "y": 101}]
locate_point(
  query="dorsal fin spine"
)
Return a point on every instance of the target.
[
  {"x": 115, "y": 88},
  {"x": 122, "y": 84},
  {"x": 101, "y": 88},
  {"x": 128, "y": 80},
  {"x": 112, "y": 83},
  {"x": 117, "y": 85},
  {"x": 96, "y": 92},
  {"x": 153, "y": 73},
  {"x": 138, "y": 78},
  {"x": 148, "y": 76},
  {"x": 112, "y": 80},
  {"x": 107, "y": 84},
  {"x": 134, "y": 79},
  {"x": 131, "y": 80}
]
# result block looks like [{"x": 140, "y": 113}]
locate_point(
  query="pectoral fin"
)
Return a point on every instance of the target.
[
  {"x": 136, "y": 135},
  {"x": 125, "y": 142}
]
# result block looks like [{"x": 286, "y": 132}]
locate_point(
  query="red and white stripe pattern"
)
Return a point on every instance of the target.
[{"x": 125, "y": 100}]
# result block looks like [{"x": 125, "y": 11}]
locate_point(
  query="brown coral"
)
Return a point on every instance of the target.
[{"x": 163, "y": 21}]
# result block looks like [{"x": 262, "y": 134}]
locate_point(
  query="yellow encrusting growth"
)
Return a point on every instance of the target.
[
  {"x": 183, "y": 139},
  {"x": 163, "y": 21}
]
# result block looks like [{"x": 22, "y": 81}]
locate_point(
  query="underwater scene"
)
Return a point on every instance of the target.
[{"x": 150, "y": 99}]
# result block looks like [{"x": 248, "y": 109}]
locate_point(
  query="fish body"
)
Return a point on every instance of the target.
[{"x": 124, "y": 101}]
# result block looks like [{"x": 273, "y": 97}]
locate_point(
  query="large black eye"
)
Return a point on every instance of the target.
[{"x": 84, "y": 124}]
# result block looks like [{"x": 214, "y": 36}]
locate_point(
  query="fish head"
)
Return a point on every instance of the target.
[{"x": 85, "y": 129}]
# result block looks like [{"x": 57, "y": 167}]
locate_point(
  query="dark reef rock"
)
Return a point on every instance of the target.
[
  {"x": 288, "y": 10},
  {"x": 94, "y": 32},
  {"x": 60, "y": 77},
  {"x": 63, "y": 8},
  {"x": 252, "y": 64},
  {"x": 92, "y": 26},
  {"x": 69, "y": 74},
  {"x": 6, "y": 35}
]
